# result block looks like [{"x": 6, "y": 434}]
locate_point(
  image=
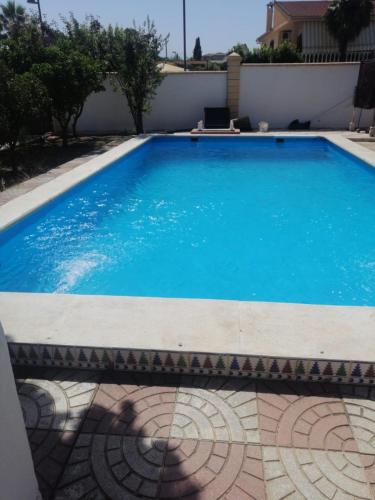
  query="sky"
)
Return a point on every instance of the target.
[{"x": 220, "y": 24}]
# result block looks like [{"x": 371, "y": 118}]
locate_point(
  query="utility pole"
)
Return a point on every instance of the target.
[
  {"x": 184, "y": 21},
  {"x": 37, "y": 2}
]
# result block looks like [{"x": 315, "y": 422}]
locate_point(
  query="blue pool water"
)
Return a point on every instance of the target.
[{"x": 233, "y": 218}]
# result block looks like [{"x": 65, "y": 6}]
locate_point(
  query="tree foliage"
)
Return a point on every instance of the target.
[
  {"x": 20, "y": 52},
  {"x": 87, "y": 36},
  {"x": 242, "y": 50},
  {"x": 284, "y": 53},
  {"x": 132, "y": 55},
  {"x": 23, "y": 98},
  {"x": 346, "y": 19},
  {"x": 55, "y": 70},
  {"x": 12, "y": 17},
  {"x": 197, "y": 53},
  {"x": 70, "y": 77}
]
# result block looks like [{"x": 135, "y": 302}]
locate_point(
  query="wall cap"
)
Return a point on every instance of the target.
[{"x": 302, "y": 64}]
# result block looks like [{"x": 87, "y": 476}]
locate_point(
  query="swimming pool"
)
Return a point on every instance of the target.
[{"x": 249, "y": 219}]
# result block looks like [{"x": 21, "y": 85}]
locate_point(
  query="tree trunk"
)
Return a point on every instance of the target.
[
  {"x": 74, "y": 127},
  {"x": 12, "y": 150},
  {"x": 64, "y": 135},
  {"x": 64, "y": 126},
  {"x": 139, "y": 122},
  {"x": 75, "y": 121},
  {"x": 343, "y": 48}
]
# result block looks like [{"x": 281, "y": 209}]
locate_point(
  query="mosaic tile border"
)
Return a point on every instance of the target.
[{"x": 310, "y": 370}]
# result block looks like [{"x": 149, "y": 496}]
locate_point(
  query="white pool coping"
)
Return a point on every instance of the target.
[
  {"x": 311, "y": 333},
  {"x": 190, "y": 325}
]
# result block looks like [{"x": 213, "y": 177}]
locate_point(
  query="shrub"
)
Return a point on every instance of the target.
[
  {"x": 70, "y": 77},
  {"x": 23, "y": 98},
  {"x": 284, "y": 53}
]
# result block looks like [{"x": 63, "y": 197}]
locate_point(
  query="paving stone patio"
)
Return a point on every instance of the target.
[
  {"x": 124, "y": 436},
  {"x": 83, "y": 152}
]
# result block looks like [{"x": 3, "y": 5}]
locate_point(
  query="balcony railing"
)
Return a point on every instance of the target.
[{"x": 329, "y": 57}]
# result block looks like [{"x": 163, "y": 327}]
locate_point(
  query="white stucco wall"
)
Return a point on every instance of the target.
[
  {"x": 178, "y": 104},
  {"x": 105, "y": 112},
  {"x": 280, "y": 93},
  {"x": 277, "y": 93},
  {"x": 17, "y": 476}
]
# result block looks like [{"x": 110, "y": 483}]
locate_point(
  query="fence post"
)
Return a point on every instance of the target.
[{"x": 233, "y": 83}]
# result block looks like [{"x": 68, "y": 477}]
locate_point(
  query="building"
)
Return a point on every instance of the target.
[
  {"x": 217, "y": 57},
  {"x": 302, "y": 23},
  {"x": 166, "y": 67}
]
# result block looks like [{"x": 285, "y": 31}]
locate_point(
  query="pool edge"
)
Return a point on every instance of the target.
[{"x": 252, "y": 339}]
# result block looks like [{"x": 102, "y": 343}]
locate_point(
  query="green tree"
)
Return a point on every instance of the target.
[
  {"x": 260, "y": 55},
  {"x": 132, "y": 55},
  {"x": 215, "y": 66},
  {"x": 285, "y": 53},
  {"x": 345, "y": 19},
  {"x": 22, "y": 51},
  {"x": 12, "y": 17},
  {"x": 87, "y": 36},
  {"x": 242, "y": 50},
  {"x": 70, "y": 77},
  {"x": 197, "y": 53},
  {"x": 22, "y": 99}
]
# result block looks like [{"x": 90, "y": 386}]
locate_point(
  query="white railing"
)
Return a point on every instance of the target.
[{"x": 329, "y": 57}]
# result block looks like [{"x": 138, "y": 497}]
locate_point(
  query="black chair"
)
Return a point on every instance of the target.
[{"x": 216, "y": 118}]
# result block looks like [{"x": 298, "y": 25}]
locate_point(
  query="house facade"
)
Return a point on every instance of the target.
[{"x": 302, "y": 23}]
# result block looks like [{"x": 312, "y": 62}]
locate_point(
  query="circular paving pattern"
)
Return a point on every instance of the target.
[
  {"x": 315, "y": 474},
  {"x": 362, "y": 420},
  {"x": 199, "y": 439},
  {"x": 133, "y": 467},
  {"x": 43, "y": 404},
  {"x": 190, "y": 413},
  {"x": 208, "y": 415},
  {"x": 313, "y": 423},
  {"x": 160, "y": 442},
  {"x": 54, "y": 405},
  {"x": 144, "y": 412}
]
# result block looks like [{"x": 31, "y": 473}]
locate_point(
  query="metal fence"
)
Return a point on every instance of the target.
[{"x": 329, "y": 57}]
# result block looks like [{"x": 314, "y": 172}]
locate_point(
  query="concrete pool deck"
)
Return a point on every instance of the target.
[{"x": 185, "y": 336}]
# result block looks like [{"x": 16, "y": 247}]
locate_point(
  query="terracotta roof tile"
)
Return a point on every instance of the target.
[{"x": 312, "y": 8}]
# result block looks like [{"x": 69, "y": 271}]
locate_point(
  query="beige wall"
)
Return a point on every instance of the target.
[
  {"x": 279, "y": 17},
  {"x": 17, "y": 476}
]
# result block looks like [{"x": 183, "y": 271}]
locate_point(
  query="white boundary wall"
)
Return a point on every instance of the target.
[
  {"x": 17, "y": 476},
  {"x": 277, "y": 93},
  {"x": 178, "y": 104},
  {"x": 280, "y": 93}
]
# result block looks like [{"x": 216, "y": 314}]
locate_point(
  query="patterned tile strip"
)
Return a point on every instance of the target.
[{"x": 259, "y": 367}]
